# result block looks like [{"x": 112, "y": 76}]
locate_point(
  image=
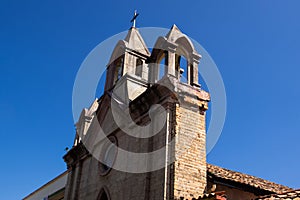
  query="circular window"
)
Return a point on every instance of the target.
[{"x": 108, "y": 155}]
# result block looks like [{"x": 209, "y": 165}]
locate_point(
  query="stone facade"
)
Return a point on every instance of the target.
[{"x": 185, "y": 126}]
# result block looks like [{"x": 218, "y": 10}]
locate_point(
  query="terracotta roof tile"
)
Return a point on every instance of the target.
[
  {"x": 249, "y": 180},
  {"x": 291, "y": 195},
  {"x": 211, "y": 196}
]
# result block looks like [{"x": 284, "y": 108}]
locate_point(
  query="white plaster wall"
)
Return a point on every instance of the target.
[{"x": 49, "y": 188}]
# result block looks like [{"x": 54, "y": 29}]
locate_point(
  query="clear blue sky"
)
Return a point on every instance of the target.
[{"x": 255, "y": 44}]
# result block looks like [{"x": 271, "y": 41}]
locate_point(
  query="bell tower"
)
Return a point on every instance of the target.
[
  {"x": 186, "y": 174},
  {"x": 138, "y": 80},
  {"x": 127, "y": 71}
]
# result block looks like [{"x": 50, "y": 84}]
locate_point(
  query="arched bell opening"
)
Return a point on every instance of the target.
[
  {"x": 158, "y": 65},
  {"x": 161, "y": 65},
  {"x": 118, "y": 65},
  {"x": 182, "y": 68},
  {"x": 139, "y": 64},
  {"x": 184, "y": 62}
]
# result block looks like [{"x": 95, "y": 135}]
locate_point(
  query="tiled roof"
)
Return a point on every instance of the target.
[
  {"x": 291, "y": 195},
  {"x": 211, "y": 196},
  {"x": 245, "y": 179}
]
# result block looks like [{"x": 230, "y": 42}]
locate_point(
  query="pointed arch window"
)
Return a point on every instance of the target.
[{"x": 103, "y": 195}]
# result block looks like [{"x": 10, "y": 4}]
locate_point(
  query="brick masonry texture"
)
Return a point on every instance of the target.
[{"x": 190, "y": 154}]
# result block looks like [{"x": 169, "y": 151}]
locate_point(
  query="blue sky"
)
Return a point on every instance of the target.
[{"x": 255, "y": 44}]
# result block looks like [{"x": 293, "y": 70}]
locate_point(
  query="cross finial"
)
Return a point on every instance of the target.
[{"x": 134, "y": 18}]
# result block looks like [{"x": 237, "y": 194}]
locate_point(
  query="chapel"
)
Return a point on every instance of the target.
[{"x": 145, "y": 137}]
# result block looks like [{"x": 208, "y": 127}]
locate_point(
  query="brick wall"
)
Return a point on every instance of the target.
[{"x": 190, "y": 165}]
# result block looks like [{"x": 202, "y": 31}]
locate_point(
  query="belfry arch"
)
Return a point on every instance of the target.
[
  {"x": 173, "y": 47},
  {"x": 115, "y": 67}
]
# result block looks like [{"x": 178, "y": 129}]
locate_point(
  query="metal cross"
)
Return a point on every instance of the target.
[{"x": 134, "y": 18}]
